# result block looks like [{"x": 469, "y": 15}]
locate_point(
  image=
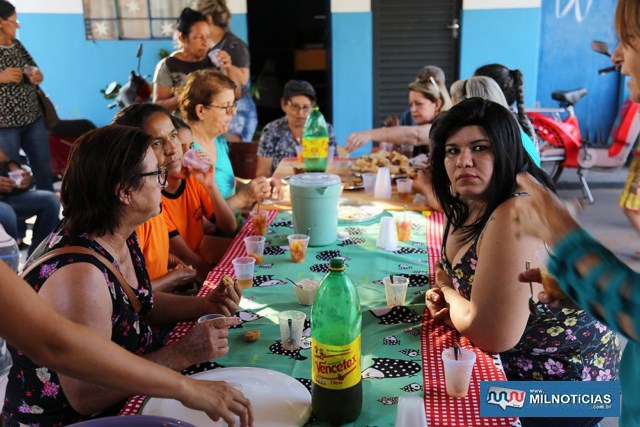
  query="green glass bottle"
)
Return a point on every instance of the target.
[
  {"x": 336, "y": 322},
  {"x": 315, "y": 142}
]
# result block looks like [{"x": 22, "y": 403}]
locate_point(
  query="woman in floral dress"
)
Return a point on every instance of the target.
[
  {"x": 477, "y": 154},
  {"x": 111, "y": 186}
]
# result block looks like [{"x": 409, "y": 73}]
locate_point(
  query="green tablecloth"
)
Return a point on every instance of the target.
[{"x": 391, "y": 354}]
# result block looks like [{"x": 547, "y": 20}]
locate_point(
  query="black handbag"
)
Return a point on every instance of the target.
[{"x": 49, "y": 113}]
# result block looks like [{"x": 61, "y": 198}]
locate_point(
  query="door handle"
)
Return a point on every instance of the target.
[{"x": 455, "y": 27}]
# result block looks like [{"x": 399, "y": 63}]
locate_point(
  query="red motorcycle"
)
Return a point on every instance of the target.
[
  {"x": 561, "y": 143},
  {"x": 135, "y": 91}
]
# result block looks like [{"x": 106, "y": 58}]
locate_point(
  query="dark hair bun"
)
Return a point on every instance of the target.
[{"x": 187, "y": 18}]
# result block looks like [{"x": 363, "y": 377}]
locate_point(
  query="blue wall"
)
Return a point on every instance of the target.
[
  {"x": 504, "y": 36},
  {"x": 352, "y": 78},
  {"x": 75, "y": 69},
  {"x": 567, "y": 62}
]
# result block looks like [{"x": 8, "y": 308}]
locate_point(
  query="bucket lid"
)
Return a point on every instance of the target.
[{"x": 314, "y": 180}]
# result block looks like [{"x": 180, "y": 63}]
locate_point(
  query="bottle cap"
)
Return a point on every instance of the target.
[{"x": 336, "y": 264}]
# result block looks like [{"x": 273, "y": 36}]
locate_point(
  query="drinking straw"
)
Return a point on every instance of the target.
[
  {"x": 391, "y": 277},
  {"x": 456, "y": 351}
]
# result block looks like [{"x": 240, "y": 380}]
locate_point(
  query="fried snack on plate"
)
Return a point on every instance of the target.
[{"x": 397, "y": 163}]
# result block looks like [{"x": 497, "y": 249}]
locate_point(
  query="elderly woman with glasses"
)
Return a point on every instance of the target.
[
  {"x": 208, "y": 103},
  {"x": 282, "y": 137},
  {"x": 91, "y": 270}
]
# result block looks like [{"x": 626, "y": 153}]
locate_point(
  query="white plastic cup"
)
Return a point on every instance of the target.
[
  {"x": 291, "y": 327},
  {"x": 192, "y": 159},
  {"x": 213, "y": 56},
  {"x": 16, "y": 176},
  {"x": 306, "y": 291},
  {"x": 382, "y": 188},
  {"x": 331, "y": 155},
  {"x": 369, "y": 181},
  {"x": 388, "y": 235},
  {"x": 457, "y": 373},
  {"x": 29, "y": 70},
  {"x": 411, "y": 412},
  {"x": 244, "y": 267},
  {"x": 395, "y": 292}
]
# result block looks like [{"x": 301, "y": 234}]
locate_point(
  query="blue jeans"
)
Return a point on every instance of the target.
[
  {"x": 34, "y": 140},
  {"x": 18, "y": 207},
  {"x": 245, "y": 122}
]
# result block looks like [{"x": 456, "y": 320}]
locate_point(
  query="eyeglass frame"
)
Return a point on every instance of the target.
[
  {"x": 16, "y": 22},
  {"x": 162, "y": 170},
  {"x": 228, "y": 109},
  {"x": 297, "y": 108}
]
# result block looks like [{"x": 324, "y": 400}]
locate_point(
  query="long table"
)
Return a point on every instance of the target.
[{"x": 401, "y": 346}]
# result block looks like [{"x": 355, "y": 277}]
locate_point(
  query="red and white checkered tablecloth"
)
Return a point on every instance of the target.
[
  {"x": 434, "y": 229},
  {"x": 445, "y": 411},
  {"x": 441, "y": 409}
]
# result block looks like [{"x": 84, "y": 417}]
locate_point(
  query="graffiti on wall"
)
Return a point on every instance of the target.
[{"x": 576, "y": 6}]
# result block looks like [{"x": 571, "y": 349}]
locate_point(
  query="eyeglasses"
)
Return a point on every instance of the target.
[
  {"x": 16, "y": 22},
  {"x": 161, "y": 173},
  {"x": 229, "y": 109},
  {"x": 297, "y": 108}
]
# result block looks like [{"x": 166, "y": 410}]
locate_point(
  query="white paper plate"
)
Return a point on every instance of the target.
[
  {"x": 358, "y": 211},
  {"x": 278, "y": 400}
]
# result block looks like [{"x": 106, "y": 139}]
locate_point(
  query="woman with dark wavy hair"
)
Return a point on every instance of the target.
[
  {"x": 477, "y": 153},
  {"x": 112, "y": 185}
]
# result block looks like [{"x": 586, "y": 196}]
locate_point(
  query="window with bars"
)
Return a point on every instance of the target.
[{"x": 131, "y": 19}]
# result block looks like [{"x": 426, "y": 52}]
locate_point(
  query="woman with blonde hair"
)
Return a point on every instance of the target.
[
  {"x": 427, "y": 99},
  {"x": 231, "y": 55}
]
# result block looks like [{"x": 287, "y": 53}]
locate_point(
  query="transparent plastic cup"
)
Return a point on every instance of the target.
[
  {"x": 369, "y": 181},
  {"x": 395, "y": 292},
  {"x": 403, "y": 227},
  {"x": 298, "y": 244},
  {"x": 306, "y": 291},
  {"x": 291, "y": 326},
  {"x": 259, "y": 222},
  {"x": 16, "y": 176},
  {"x": 255, "y": 247},
  {"x": 209, "y": 317},
  {"x": 192, "y": 159},
  {"x": 244, "y": 268},
  {"x": 457, "y": 373},
  {"x": 404, "y": 188}
]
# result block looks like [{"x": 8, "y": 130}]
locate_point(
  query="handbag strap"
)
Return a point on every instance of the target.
[{"x": 69, "y": 250}]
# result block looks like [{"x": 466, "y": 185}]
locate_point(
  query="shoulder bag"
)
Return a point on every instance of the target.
[
  {"x": 49, "y": 113},
  {"x": 70, "y": 250}
]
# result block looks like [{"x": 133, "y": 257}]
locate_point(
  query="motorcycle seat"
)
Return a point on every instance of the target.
[{"x": 570, "y": 97}]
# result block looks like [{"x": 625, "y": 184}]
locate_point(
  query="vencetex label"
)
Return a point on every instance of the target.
[
  {"x": 315, "y": 147},
  {"x": 335, "y": 367}
]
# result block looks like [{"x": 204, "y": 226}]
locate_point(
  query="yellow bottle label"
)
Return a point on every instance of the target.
[
  {"x": 335, "y": 367},
  {"x": 315, "y": 148}
]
